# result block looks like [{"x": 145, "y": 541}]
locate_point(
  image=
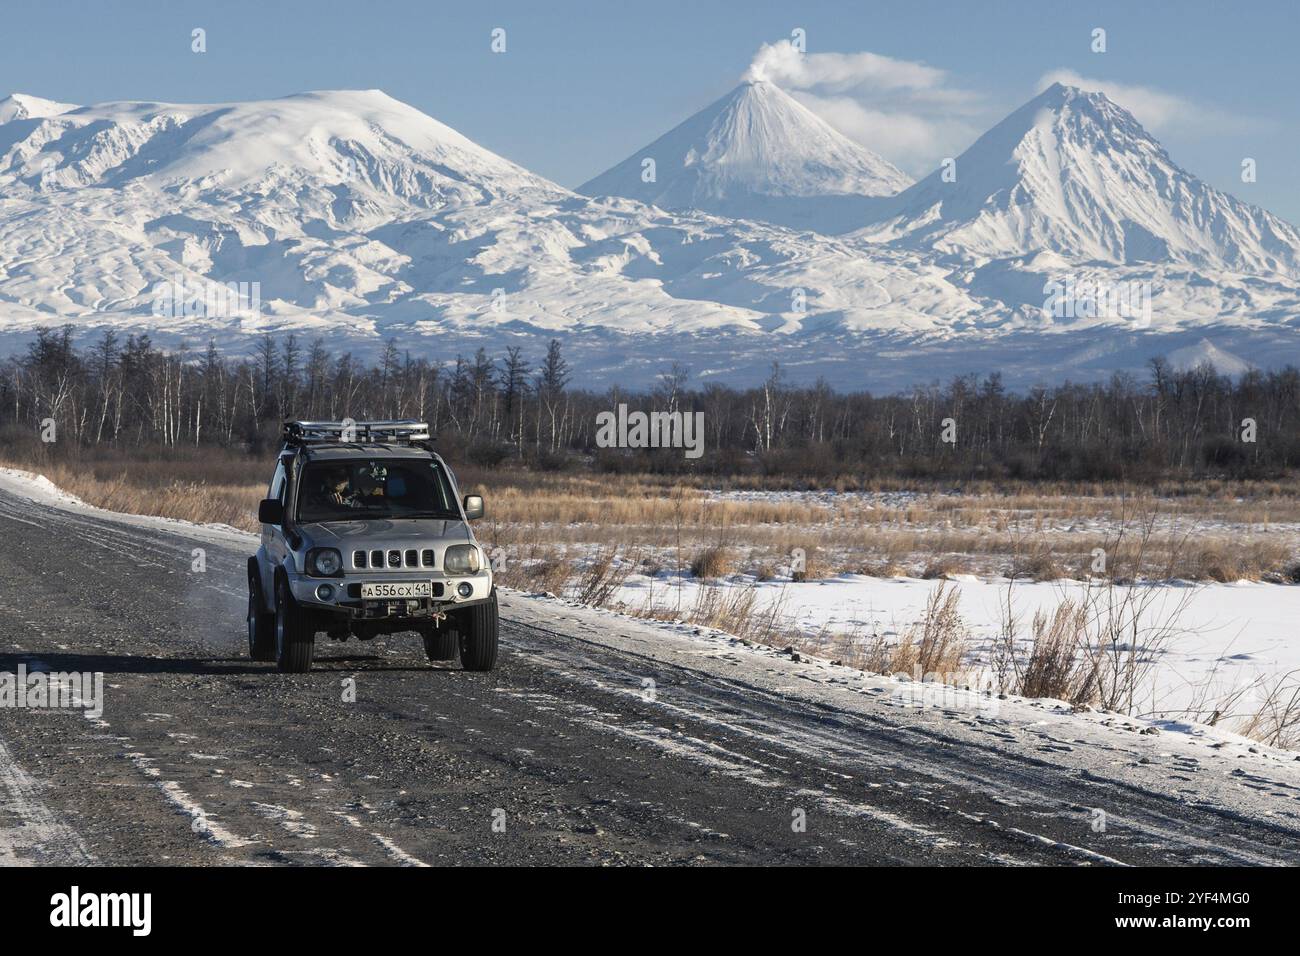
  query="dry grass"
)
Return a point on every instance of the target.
[
  {"x": 1058, "y": 665},
  {"x": 200, "y": 501},
  {"x": 602, "y": 576},
  {"x": 1202, "y": 530},
  {"x": 1276, "y": 722},
  {"x": 715, "y": 561},
  {"x": 938, "y": 645},
  {"x": 1097, "y": 651}
]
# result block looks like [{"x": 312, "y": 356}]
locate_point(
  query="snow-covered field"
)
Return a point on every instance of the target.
[{"x": 1224, "y": 636}]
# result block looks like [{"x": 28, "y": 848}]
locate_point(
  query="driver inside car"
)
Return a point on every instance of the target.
[{"x": 335, "y": 488}]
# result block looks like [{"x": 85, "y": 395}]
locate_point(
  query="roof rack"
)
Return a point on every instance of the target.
[{"x": 407, "y": 432}]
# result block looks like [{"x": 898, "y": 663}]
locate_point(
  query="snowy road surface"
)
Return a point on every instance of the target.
[{"x": 598, "y": 740}]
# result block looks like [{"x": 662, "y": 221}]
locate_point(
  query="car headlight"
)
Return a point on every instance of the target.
[
  {"x": 324, "y": 562},
  {"x": 460, "y": 559}
]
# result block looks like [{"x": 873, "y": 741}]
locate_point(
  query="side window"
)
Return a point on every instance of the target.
[{"x": 277, "y": 484}]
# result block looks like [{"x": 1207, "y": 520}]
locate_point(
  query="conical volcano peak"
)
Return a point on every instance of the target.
[
  {"x": 757, "y": 153},
  {"x": 1073, "y": 173}
]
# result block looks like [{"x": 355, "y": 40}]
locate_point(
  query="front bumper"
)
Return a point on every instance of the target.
[{"x": 346, "y": 598}]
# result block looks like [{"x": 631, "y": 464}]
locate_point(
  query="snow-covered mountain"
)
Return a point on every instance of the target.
[
  {"x": 357, "y": 217},
  {"x": 344, "y": 156},
  {"x": 757, "y": 153},
  {"x": 353, "y": 210},
  {"x": 20, "y": 106},
  {"x": 1072, "y": 173}
]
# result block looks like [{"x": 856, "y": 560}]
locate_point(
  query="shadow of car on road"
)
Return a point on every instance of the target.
[{"x": 209, "y": 666}]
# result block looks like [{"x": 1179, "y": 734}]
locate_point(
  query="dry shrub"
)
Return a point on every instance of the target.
[
  {"x": 734, "y": 610},
  {"x": 814, "y": 568},
  {"x": 1217, "y": 563},
  {"x": 938, "y": 644},
  {"x": 941, "y": 640},
  {"x": 715, "y": 561},
  {"x": 1056, "y": 666},
  {"x": 547, "y": 576},
  {"x": 602, "y": 576},
  {"x": 941, "y": 566},
  {"x": 1038, "y": 566},
  {"x": 1266, "y": 709},
  {"x": 1101, "y": 648},
  {"x": 1277, "y": 721},
  {"x": 883, "y": 568}
]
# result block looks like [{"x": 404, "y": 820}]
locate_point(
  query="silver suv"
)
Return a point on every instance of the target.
[{"x": 364, "y": 533}]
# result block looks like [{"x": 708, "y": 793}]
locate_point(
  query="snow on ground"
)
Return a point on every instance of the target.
[
  {"x": 802, "y": 675},
  {"x": 1227, "y": 635},
  {"x": 1223, "y": 636},
  {"x": 36, "y": 487}
]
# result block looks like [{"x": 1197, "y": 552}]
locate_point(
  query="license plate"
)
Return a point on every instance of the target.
[{"x": 380, "y": 590}]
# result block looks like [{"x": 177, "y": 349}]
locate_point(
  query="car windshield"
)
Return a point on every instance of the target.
[{"x": 366, "y": 488}]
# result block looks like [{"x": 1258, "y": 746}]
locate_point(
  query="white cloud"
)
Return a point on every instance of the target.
[
  {"x": 906, "y": 111},
  {"x": 782, "y": 64},
  {"x": 911, "y": 141}
]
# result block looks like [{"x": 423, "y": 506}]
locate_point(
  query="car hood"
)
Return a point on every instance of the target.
[{"x": 358, "y": 534}]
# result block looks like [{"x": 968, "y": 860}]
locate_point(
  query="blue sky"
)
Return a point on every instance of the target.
[{"x": 583, "y": 84}]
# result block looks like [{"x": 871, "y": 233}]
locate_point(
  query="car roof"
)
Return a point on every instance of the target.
[{"x": 346, "y": 452}]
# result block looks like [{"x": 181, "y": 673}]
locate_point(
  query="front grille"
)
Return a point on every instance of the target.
[{"x": 394, "y": 559}]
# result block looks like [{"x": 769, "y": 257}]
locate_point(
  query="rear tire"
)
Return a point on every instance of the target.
[
  {"x": 441, "y": 643},
  {"x": 295, "y": 640},
  {"x": 479, "y": 628},
  {"x": 261, "y": 623}
]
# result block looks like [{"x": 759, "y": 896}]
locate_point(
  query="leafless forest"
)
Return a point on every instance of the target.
[{"x": 490, "y": 410}]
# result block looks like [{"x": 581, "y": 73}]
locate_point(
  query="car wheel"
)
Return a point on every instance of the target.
[
  {"x": 478, "y": 636},
  {"x": 441, "y": 643},
  {"x": 261, "y": 623},
  {"x": 295, "y": 641}
]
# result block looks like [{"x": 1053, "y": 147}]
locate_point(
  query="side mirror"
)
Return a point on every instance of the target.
[
  {"x": 270, "y": 511},
  {"x": 473, "y": 507}
]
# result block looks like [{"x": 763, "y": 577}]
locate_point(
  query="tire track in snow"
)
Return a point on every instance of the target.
[{"x": 37, "y": 836}]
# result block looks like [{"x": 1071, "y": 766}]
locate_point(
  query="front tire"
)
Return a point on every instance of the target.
[
  {"x": 261, "y": 623},
  {"x": 441, "y": 643},
  {"x": 295, "y": 640},
  {"x": 479, "y": 628}
]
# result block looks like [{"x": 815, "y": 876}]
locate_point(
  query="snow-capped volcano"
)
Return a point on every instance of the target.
[
  {"x": 351, "y": 209},
  {"x": 358, "y": 217},
  {"x": 757, "y": 153},
  {"x": 1072, "y": 173}
]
